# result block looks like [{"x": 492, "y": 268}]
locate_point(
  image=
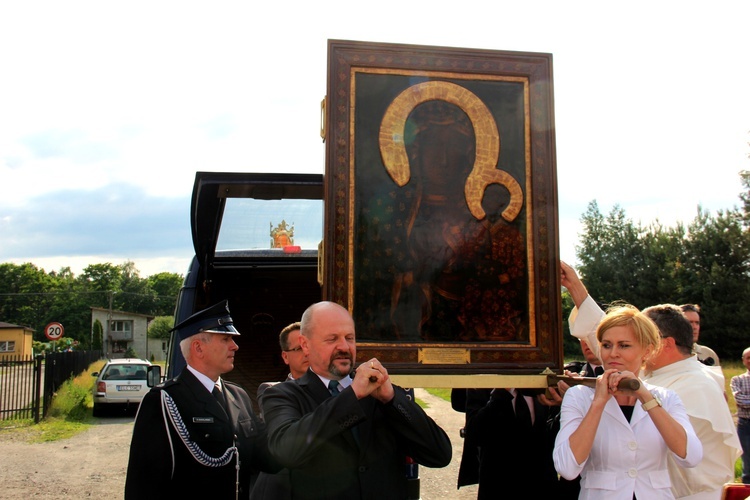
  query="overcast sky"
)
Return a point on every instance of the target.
[{"x": 107, "y": 109}]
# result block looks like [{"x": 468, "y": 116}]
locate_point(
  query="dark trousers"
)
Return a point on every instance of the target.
[{"x": 743, "y": 432}]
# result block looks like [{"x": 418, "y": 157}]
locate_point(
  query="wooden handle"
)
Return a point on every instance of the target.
[
  {"x": 373, "y": 378},
  {"x": 629, "y": 384}
]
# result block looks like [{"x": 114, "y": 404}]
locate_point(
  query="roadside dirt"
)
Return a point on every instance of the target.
[{"x": 93, "y": 464}]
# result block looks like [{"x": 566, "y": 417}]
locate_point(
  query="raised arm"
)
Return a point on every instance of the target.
[{"x": 586, "y": 315}]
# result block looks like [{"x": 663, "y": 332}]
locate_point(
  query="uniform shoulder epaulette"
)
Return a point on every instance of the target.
[{"x": 168, "y": 383}]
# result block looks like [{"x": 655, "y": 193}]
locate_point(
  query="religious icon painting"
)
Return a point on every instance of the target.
[{"x": 441, "y": 182}]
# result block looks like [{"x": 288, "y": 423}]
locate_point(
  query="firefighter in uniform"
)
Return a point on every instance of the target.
[{"x": 196, "y": 435}]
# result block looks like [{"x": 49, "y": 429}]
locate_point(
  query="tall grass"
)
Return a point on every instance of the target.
[
  {"x": 69, "y": 413},
  {"x": 74, "y": 399}
]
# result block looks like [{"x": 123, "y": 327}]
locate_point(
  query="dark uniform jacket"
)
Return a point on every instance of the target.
[
  {"x": 160, "y": 464},
  {"x": 311, "y": 433}
]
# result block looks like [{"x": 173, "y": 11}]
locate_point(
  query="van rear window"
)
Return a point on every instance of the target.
[{"x": 249, "y": 224}]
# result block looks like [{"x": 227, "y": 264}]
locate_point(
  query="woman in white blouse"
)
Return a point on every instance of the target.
[{"x": 619, "y": 440}]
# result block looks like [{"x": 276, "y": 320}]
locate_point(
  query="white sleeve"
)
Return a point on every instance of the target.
[
  {"x": 583, "y": 323},
  {"x": 574, "y": 408}
]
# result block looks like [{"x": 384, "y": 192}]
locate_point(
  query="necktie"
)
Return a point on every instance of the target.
[
  {"x": 523, "y": 415},
  {"x": 333, "y": 387},
  {"x": 598, "y": 370},
  {"x": 219, "y": 395}
]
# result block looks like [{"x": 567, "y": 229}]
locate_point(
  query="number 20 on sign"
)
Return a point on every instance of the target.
[{"x": 54, "y": 331}]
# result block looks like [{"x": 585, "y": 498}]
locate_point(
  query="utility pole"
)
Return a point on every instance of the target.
[{"x": 109, "y": 324}]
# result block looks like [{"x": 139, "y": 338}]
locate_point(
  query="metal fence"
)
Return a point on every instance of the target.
[
  {"x": 20, "y": 381},
  {"x": 28, "y": 384}
]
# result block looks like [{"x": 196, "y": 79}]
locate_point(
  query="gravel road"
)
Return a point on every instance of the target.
[{"x": 92, "y": 464}]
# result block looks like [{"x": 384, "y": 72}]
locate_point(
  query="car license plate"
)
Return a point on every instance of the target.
[{"x": 128, "y": 387}]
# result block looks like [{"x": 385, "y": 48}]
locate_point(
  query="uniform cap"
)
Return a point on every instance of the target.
[{"x": 215, "y": 319}]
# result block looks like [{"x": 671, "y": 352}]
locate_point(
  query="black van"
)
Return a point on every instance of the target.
[{"x": 256, "y": 239}]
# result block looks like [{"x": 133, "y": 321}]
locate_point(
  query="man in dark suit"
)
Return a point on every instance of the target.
[
  {"x": 469, "y": 401},
  {"x": 196, "y": 436},
  {"x": 278, "y": 486},
  {"x": 343, "y": 437},
  {"x": 506, "y": 441}
]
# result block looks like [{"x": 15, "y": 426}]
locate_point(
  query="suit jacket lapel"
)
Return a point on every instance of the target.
[
  {"x": 210, "y": 405},
  {"x": 613, "y": 409},
  {"x": 233, "y": 406},
  {"x": 314, "y": 386},
  {"x": 320, "y": 394}
]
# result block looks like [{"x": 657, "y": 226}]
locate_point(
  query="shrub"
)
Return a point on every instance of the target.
[{"x": 71, "y": 402}]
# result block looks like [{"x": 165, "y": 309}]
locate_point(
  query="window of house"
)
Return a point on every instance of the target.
[
  {"x": 122, "y": 326},
  {"x": 7, "y": 345},
  {"x": 121, "y": 330}
]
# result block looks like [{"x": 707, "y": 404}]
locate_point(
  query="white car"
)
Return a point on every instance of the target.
[{"x": 120, "y": 384}]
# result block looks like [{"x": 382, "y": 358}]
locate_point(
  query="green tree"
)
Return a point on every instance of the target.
[
  {"x": 25, "y": 296},
  {"x": 166, "y": 287},
  {"x": 745, "y": 197},
  {"x": 135, "y": 294},
  {"x": 623, "y": 261},
  {"x": 707, "y": 263},
  {"x": 98, "y": 334},
  {"x": 71, "y": 307},
  {"x": 714, "y": 273},
  {"x": 571, "y": 345},
  {"x": 102, "y": 278},
  {"x": 160, "y": 327},
  {"x": 31, "y": 297}
]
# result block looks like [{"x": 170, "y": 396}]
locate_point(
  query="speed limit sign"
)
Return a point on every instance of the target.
[{"x": 54, "y": 331}]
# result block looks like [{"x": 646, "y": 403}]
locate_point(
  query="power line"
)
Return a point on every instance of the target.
[{"x": 17, "y": 294}]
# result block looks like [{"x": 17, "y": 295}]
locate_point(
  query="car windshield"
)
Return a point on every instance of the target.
[
  {"x": 125, "y": 372},
  {"x": 249, "y": 224}
]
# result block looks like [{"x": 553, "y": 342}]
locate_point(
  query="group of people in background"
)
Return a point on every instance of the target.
[{"x": 332, "y": 430}]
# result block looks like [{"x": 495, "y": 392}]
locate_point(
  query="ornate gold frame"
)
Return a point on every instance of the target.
[{"x": 369, "y": 124}]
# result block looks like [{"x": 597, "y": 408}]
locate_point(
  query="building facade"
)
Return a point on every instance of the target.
[
  {"x": 15, "y": 341},
  {"x": 122, "y": 330}
]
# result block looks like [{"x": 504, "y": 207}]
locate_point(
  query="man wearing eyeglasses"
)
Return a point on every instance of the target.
[{"x": 291, "y": 353}]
